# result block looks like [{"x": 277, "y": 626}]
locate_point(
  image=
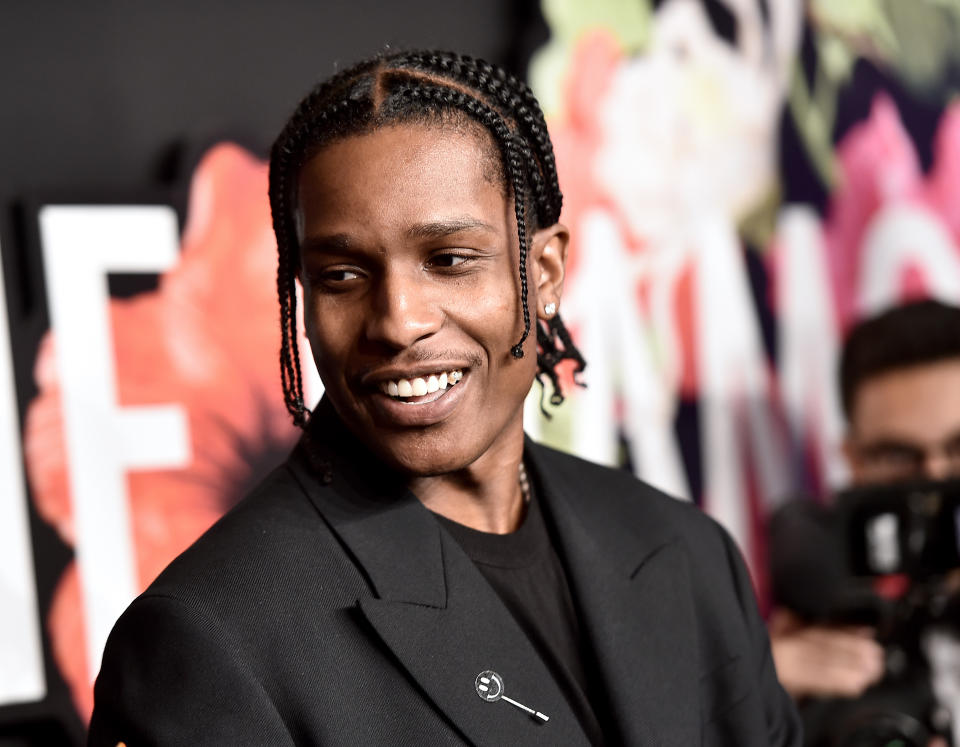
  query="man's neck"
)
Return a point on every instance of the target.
[{"x": 485, "y": 495}]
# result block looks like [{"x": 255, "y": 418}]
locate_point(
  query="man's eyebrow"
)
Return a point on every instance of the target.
[
  {"x": 340, "y": 243},
  {"x": 891, "y": 443},
  {"x": 440, "y": 228},
  {"x": 337, "y": 243}
]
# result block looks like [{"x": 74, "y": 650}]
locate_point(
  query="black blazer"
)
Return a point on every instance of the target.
[{"x": 330, "y": 607}]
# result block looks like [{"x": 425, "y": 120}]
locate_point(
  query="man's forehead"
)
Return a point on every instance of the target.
[
  {"x": 420, "y": 156},
  {"x": 472, "y": 140},
  {"x": 919, "y": 403},
  {"x": 434, "y": 189}
]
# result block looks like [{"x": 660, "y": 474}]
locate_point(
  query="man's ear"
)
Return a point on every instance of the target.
[{"x": 549, "y": 259}]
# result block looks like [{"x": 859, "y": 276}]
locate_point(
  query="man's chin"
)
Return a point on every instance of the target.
[{"x": 421, "y": 460}]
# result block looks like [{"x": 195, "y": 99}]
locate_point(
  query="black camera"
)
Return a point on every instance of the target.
[
  {"x": 888, "y": 557},
  {"x": 906, "y": 529}
]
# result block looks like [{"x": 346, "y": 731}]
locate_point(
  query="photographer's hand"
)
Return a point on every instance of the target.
[{"x": 822, "y": 660}]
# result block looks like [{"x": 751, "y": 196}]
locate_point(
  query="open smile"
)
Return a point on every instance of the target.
[
  {"x": 418, "y": 401},
  {"x": 421, "y": 389}
]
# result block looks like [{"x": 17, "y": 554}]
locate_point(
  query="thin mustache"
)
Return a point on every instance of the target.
[{"x": 409, "y": 358}]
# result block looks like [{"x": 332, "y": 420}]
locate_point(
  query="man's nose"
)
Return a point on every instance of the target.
[
  {"x": 937, "y": 466},
  {"x": 404, "y": 310}
]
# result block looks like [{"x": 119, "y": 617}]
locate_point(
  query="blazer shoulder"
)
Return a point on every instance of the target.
[
  {"x": 275, "y": 527},
  {"x": 616, "y": 504},
  {"x": 620, "y": 493}
]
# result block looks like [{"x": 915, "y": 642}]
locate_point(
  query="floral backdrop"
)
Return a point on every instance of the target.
[{"x": 743, "y": 179}]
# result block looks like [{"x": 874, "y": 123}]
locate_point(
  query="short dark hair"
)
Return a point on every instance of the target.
[
  {"x": 909, "y": 335},
  {"x": 427, "y": 87}
]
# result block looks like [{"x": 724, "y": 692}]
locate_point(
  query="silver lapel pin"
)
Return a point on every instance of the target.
[{"x": 490, "y": 687}]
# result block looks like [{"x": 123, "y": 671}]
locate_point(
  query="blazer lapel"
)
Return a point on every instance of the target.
[
  {"x": 629, "y": 579},
  {"x": 431, "y": 606},
  {"x": 445, "y": 649}
]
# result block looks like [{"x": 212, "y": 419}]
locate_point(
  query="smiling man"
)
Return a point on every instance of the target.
[
  {"x": 418, "y": 572},
  {"x": 412, "y": 308}
]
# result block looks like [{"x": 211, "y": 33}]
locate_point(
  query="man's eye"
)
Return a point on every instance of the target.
[
  {"x": 893, "y": 461},
  {"x": 449, "y": 259},
  {"x": 336, "y": 275}
]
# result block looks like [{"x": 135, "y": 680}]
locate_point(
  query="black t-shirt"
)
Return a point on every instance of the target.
[{"x": 525, "y": 571}]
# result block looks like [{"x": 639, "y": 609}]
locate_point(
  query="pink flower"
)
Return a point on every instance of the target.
[
  {"x": 878, "y": 170},
  {"x": 942, "y": 189}
]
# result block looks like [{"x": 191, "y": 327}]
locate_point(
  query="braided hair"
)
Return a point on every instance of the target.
[{"x": 420, "y": 86}]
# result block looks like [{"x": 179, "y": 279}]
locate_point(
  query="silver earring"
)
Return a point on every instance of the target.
[{"x": 550, "y": 309}]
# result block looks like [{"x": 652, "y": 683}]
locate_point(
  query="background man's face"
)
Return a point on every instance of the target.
[
  {"x": 409, "y": 269},
  {"x": 905, "y": 424}
]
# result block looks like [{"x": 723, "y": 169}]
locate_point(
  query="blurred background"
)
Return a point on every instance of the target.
[{"x": 743, "y": 180}]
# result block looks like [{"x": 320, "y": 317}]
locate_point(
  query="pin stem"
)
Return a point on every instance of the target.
[{"x": 522, "y": 707}]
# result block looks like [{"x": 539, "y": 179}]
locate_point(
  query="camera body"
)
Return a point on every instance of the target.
[
  {"x": 907, "y": 529},
  {"x": 888, "y": 557}
]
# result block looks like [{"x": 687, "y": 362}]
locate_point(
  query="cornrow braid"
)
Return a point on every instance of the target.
[
  {"x": 286, "y": 156},
  {"x": 513, "y": 95},
  {"x": 551, "y": 353},
  {"x": 420, "y": 86}
]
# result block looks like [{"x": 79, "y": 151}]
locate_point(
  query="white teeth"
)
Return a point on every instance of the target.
[{"x": 419, "y": 386}]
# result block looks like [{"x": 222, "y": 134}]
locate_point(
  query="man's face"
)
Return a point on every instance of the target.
[
  {"x": 409, "y": 263},
  {"x": 905, "y": 424}
]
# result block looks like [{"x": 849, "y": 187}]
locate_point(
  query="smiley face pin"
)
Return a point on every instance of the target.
[{"x": 489, "y": 686}]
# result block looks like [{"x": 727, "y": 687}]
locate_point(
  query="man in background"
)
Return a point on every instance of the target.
[{"x": 900, "y": 390}]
